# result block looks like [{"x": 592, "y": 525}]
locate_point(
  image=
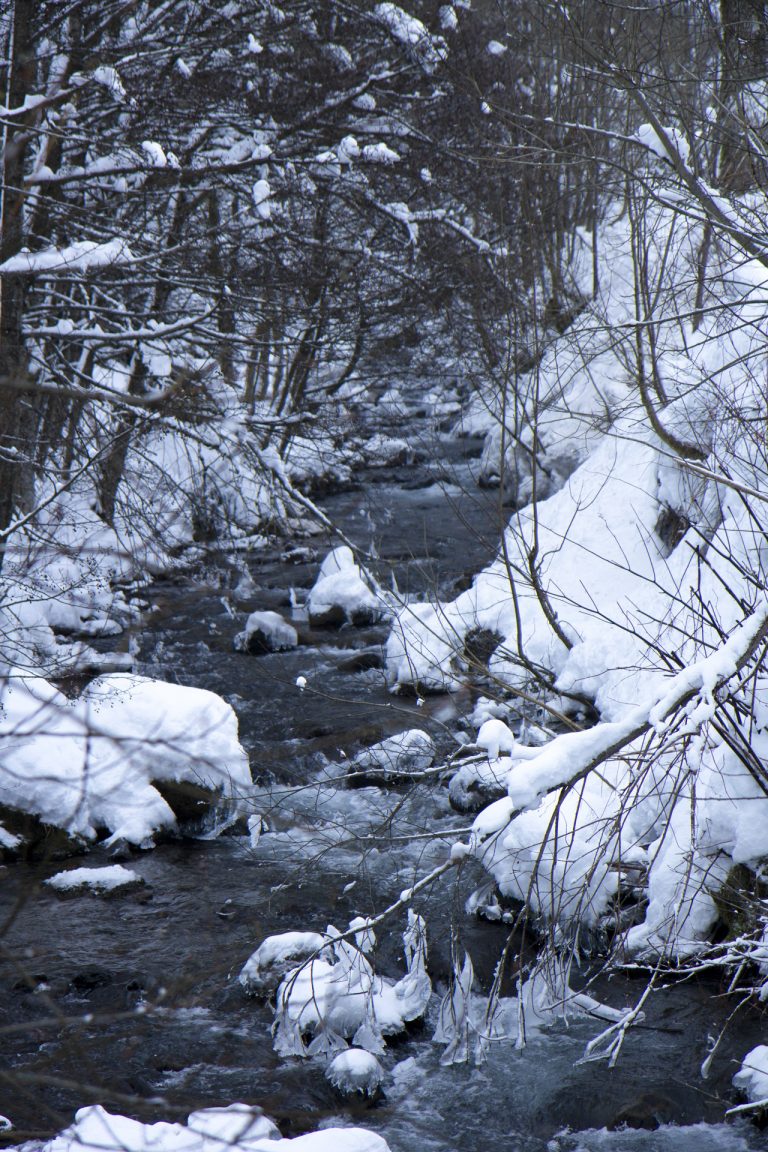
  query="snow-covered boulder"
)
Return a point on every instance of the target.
[
  {"x": 341, "y": 593},
  {"x": 355, "y": 1070},
  {"x": 100, "y": 881},
  {"x": 387, "y": 451},
  {"x": 266, "y": 632},
  {"x": 238, "y": 1128},
  {"x": 266, "y": 967},
  {"x": 496, "y": 738},
  {"x": 91, "y": 764},
  {"x": 752, "y": 1077},
  {"x": 340, "y": 997},
  {"x": 397, "y": 757}
]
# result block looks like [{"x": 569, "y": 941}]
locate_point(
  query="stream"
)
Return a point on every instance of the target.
[{"x": 133, "y": 1001}]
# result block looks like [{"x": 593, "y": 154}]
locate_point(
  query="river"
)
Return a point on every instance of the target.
[{"x": 133, "y": 1001}]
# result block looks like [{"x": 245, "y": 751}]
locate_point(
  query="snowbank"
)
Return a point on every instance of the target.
[{"x": 622, "y": 584}]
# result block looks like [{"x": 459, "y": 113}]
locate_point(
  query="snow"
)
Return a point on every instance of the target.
[
  {"x": 109, "y": 78},
  {"x": 355, "y": 1070},
  {"x": 105, "y": 879},
  {"x": 87, "y": 765},
  {"x": 338, "y": 997},
  {"x": 266, "y": 632},
  {"x": 409, "y": 31},
  {"x": 267, "y": 966},
  {"x": 261, "y": 197},
  {"x": 83, "y": 256},
  {"x": 154, "y": 153},
  {"x": 341, "y": 592},
  {"x": 380, "y": 154},
  {"x": 669, "y": 144},
  {"x": 619, "y": 593},
  {"x": 239, "y": 1127},
  {"x": 405, "y": 754},
  {"x": 752, "y": 1076},
  {"x": 496, "y": 737}
]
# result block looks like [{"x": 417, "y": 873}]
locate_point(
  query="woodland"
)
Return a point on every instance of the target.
[{"x": 252, "y": 254}]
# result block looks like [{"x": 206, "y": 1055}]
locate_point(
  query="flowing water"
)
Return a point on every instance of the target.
[{"x": 133, "y": 1001}]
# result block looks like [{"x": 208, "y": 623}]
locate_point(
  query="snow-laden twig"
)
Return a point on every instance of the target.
[
  {"x": 608, "y": 1043},
  {"x": 572, "y": 756}
]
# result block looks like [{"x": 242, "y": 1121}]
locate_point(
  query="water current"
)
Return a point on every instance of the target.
[{"x": 75, "y": 970}]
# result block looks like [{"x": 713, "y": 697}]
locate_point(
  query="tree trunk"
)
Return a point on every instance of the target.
[{"x": 18, "y": 415}]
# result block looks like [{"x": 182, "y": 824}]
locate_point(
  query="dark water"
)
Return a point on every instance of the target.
[{"x": 132, "y": 1001}]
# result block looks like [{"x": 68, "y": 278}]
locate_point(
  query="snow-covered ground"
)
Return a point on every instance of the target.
[
  {"x": 239, "y": 1127},
  {"x": 633, "y": 585}
]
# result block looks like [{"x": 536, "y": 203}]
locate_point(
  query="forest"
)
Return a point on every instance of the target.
[{"x": 383, "y": 473}]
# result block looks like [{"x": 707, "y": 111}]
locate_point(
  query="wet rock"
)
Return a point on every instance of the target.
[
  {"x": 86, "y": 982},
  {"x": 649, "y": 1112},
  {"x": 30, "y": 838},
  {"x": 479, "y": 646},
  {"x": 266, "y": 632},
  {"x": 198, "y": 809},
  {"x": 362, "y": 661}
]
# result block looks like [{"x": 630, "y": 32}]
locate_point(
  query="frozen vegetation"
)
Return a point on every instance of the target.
[{"x": 252, "y": 256}]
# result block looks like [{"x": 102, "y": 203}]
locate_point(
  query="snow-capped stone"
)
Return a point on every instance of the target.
[
  {"x": 267, "y": 966},
  {"x": 355, "y": 1070},
  {"x": 98, "y": 880},
  {"x": 752, "y": 1077},
  {"x": 496, "y": 738},
  {"x": 341, "y": 593},
  {"x": 102, "y": 760},
  {"x": 386, "y": 451},
  {"x": 266, "y": 632},
  {"x": 238, "y": 1128},
  {"x": 401, "y": 755}
]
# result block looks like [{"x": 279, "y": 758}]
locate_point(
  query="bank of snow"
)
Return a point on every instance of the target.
[{"x": 633, "y": 565}]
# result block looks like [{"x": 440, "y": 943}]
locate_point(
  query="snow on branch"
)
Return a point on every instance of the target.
[
  {"x": 83, "y": 256},
  {"x": 573, "y": 755}
]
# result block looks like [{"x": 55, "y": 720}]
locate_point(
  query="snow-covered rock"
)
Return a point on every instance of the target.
[
  {"x": 331, "y": 1000},
  {"x": 266, "y": 632},
  {"x": 90, "y": 764},
  {"x": 341, "y": 593},
  {"x": 386, "y": 451},
  {"x": 752, "y": 1077},
  {"x": 238, "y": 1128},
  {"x": 108, "y": 879},
  {"x": 399, "y": 756},
  {"x": 266, "y": 967},
  {"x": 355, "y": 1070}
]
